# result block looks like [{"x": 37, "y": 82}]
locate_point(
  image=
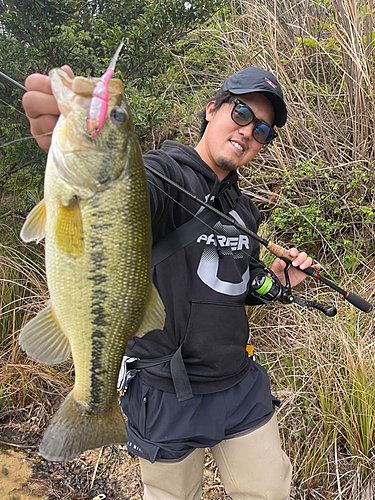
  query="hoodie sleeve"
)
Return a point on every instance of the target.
[{"x": 162, "y": 198}]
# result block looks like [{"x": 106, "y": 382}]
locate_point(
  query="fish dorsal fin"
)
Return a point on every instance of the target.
[
  {"x": 34, "y": 228},
  {"x": 154, "y": 317},
  {"x": 43, "y": 339},
  {"x": 68, "y": 228}
]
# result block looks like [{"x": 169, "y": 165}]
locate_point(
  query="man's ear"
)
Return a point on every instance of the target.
[{"x": 210, "y": 110}]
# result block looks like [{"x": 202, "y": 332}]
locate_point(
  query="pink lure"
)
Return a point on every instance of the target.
[{"x": 99, "y": 100}]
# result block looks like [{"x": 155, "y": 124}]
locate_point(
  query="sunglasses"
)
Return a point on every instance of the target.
[{"x": 243, "y": 115}]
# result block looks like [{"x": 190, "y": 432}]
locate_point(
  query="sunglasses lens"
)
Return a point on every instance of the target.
[
  {"x": 242, "y": 115},
  {"x": 263, "y": 133}
]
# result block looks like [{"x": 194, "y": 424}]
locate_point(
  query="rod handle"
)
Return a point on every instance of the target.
[
  {"x": 356, "y": 301},
  {"x": 282, "y": 253},
  {"x": 278, "y": 251}
]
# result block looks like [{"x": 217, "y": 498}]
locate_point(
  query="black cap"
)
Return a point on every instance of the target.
[{"x": 258, "y": 80}]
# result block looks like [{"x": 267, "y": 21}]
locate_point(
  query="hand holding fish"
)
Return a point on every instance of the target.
[{"x": 41, "y": 107}]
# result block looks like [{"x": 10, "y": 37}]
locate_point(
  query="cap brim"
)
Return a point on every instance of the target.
[{"x": 279, "y": 107}]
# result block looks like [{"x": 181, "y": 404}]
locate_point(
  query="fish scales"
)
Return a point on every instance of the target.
[
  {"x": 106, "y": 268},
  {"x": 96, "y": 222}
]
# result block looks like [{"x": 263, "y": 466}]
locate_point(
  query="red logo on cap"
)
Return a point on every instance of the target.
[{"x": 271, "y": 83}]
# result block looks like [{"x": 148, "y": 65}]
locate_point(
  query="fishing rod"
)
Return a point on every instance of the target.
[
  {"x": 13, "y": 82},
  {"x": 275, "y": 249}
]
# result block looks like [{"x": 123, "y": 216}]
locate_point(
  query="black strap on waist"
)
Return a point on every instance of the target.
[
  {"x": 179, "y": 375},
  {"x": 149, "y": 363}
]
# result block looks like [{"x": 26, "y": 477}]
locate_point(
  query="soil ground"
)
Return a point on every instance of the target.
[{"x": 111, "y": 471}]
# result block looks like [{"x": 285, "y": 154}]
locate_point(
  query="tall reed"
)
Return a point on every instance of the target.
[{"x": 317, "y": 180}]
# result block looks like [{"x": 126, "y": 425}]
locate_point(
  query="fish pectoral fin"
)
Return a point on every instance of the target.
[
  {"x": 68, "y": 228},
  {"x": 154, "y": 317},
  {"x": 34, "y": 228},
  {"x": 43, "y": 339}
]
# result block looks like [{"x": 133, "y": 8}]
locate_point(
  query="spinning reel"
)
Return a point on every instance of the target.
[{"x": 268, "y": 288}]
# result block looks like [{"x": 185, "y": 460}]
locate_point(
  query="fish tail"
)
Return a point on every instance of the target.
[{"x": 74, "y": 430}]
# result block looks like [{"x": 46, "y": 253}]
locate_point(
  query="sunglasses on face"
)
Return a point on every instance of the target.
[{"x": 243, "y": 115}]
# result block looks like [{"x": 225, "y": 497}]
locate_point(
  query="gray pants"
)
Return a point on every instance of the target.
[{"x": 252, "y": 467}]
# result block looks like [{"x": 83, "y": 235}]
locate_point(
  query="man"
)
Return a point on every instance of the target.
[{"x": 197, "y": 386}]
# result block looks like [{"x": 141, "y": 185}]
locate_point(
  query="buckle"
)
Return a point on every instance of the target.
[{"x": 123, "y": 376}]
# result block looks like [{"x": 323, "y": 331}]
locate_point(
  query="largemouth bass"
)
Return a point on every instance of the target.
[{"x": 95, "y": 218}]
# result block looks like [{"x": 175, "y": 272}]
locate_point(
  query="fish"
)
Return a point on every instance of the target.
[{"x": 95, "y": 219}]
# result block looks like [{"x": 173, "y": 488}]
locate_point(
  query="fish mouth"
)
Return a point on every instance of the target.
[{"x": 71, "y": 139}]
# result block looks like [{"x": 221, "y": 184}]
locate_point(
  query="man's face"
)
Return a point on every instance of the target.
[{"x": 226, "y": 146}]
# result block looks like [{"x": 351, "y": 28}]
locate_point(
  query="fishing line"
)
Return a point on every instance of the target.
[
  {"x": 277, "y": 250},
  {"x": 265, "y": 286},
  {"x": 204, "y": 222},
  {"x": 13, "y": 107},
  {"x": 24, "y": 139}
]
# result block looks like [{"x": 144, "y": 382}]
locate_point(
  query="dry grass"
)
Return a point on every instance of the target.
[
  {"x": 317, "y": 181},
  {"x": 23, "y": 291},
  {"x": 320, "y": 174},
  {"x": 322, "y": 369}
]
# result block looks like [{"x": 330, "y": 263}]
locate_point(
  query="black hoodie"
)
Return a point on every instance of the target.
[{"x": 205, "y": 285}]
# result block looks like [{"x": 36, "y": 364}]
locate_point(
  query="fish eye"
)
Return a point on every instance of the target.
[{"x": 119, "y": 115}]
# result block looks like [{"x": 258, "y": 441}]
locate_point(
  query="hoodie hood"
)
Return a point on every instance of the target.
[
  {"x": 183, "y": 165},
  {"x": 186, "y": 156}
]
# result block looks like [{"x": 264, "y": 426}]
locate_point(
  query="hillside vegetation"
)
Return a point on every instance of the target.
[{"x": 315, "y": 186}]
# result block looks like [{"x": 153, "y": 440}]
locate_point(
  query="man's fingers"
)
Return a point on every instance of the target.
[
  {"x": 68, "y": 71},
  {"x": 41, "y": 83},
  {"x": 44, "y": 142},
  {"x": 41, "y": 128},
  {"x": 41, "y": 107},
  {"x": 39, "y": 103},
  {"x": 303, "y": 261}
]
